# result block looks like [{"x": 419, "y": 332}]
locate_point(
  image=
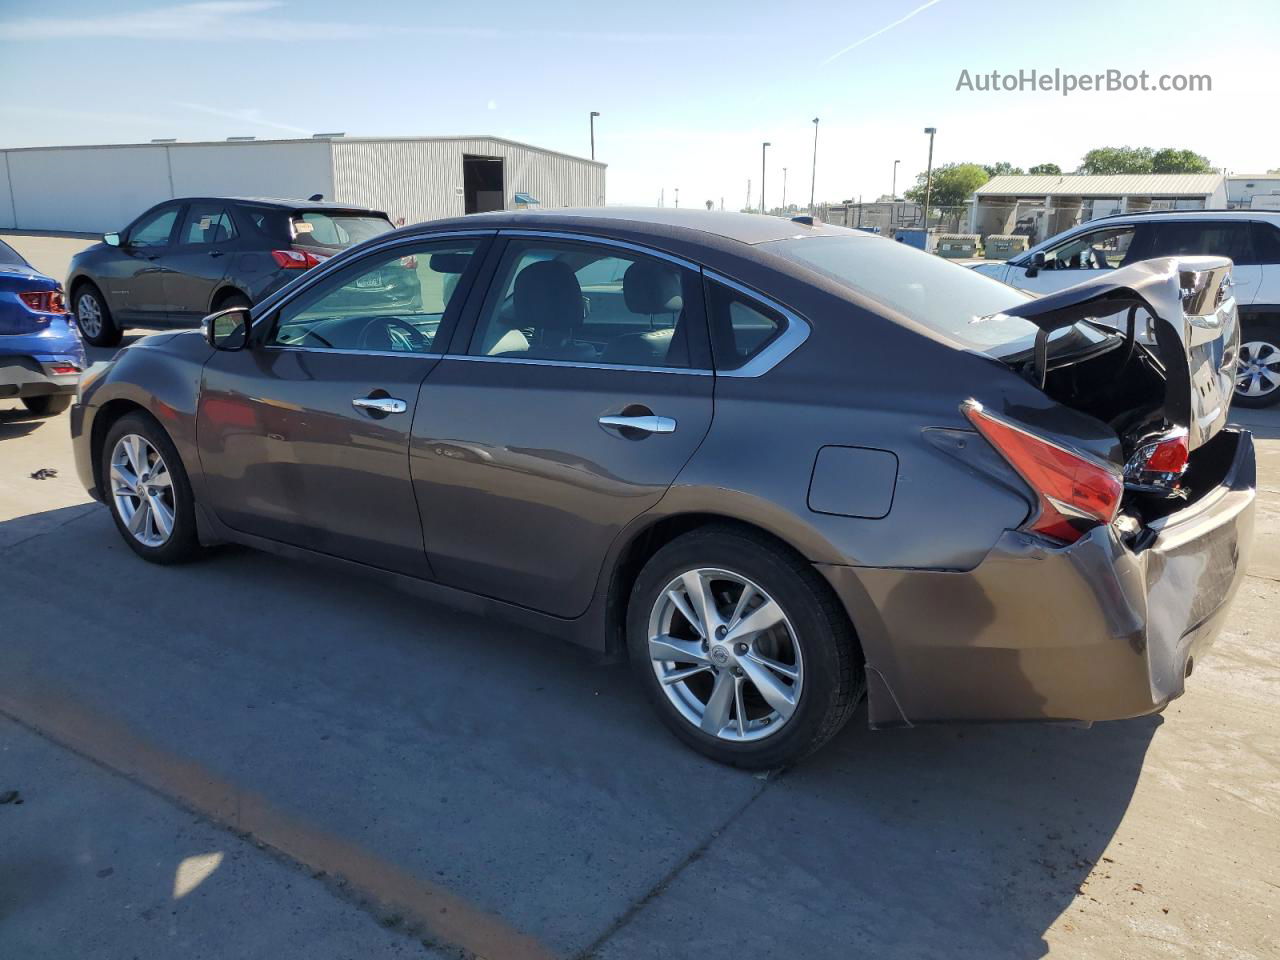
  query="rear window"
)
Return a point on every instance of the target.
[
  {"x": 963, "y": 306},
  {"x": 336, "y": 229},
  {"x": 9, "y": 256}
]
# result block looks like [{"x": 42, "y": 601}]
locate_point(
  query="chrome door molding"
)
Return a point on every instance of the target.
[
  {"x": 602, "y": 241},
  {"x": 687, "y": 371}
]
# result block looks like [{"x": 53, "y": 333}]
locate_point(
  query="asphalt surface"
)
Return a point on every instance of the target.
[{"x": 248, "y": 757}]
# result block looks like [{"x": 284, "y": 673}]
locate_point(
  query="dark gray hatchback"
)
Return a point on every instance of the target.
[
  {"x": 184, "y": 258},
  {"x": 783, "y": 467}
]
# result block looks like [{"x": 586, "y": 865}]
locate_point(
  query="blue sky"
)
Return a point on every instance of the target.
[{"x": 687, "y": 91}]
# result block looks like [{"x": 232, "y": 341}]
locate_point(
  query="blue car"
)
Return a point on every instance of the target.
[{"x": 41, "y": 355}]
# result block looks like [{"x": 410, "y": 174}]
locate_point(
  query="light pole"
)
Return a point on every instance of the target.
[
  {"x": 813, "y": 179},
  {"x": 928, "y": 178},
  {"x": 893, "y": 192},
  {"x": 784, "y": 191},
  {"x": 594, "y": 114},
  {"x": 764, "y": 148},
  {"x": 677, "y": 198}
]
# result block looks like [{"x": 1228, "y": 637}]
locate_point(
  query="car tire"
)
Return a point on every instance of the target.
[
  {"x": 813, "y": 640},
  {"x": 144, "y": 534},
  {"x": 1260, "y": 346},
  {"x": 93, "y": 317},
  {"x": 49, "y": 405}
]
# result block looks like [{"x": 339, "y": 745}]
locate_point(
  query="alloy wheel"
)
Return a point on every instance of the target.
[
  {"x": 89, "y": 315},
  {"x": 725, "y": 655},
  {"x": 1258, "y": 372},
  {"x": 142, "y": 490}
]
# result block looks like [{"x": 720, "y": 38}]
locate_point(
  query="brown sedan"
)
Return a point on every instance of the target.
[{"x": 783, "y": 466}]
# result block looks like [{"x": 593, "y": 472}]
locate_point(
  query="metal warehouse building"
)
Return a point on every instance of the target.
[{"x": 99, "y": 188}]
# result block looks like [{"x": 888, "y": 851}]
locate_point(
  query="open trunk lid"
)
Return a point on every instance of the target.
[{"x": 1193, "y": 315}]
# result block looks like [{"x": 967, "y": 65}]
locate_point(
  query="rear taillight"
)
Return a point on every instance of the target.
[
  {"x": 1075, "y": 491},
  {"x": 296, "y": 259},
  {"x": 62, "y": 369},
  {"x": 43, "y": 301},
  {"x": 1168, "y": 455}
]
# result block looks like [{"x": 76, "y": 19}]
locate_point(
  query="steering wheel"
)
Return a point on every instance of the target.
[{"x": 396, "y": 334}]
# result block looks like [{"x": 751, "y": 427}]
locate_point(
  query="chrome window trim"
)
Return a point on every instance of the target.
[
  {"x": 533, "y": 362},
  {"x": 344, "y": 352},
  {"x": 792, "y": 336},
  {"x": 317, "y": 274}
]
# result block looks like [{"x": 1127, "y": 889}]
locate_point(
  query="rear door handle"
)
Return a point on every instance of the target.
[
  {"x": 649, "y": 424},
  {"x": 380, "y": 404}
]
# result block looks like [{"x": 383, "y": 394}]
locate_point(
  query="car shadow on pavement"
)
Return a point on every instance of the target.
[{"x": 532, "y": 780}]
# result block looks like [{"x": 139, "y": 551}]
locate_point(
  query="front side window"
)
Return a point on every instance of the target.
[
  {"x": 1095, "y": 250},
  {"x": 154, "y": 230},
  {"x": 206, "y": 224},
  {"x": 582, "y": 303},
  {"x": 390, "y": 302}
]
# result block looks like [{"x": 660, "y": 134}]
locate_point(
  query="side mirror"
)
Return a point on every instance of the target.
[
  {"x": 1036, "y": 263},
  {"x": 227, "y": 329},
  {"x": 111, "y": 239}
]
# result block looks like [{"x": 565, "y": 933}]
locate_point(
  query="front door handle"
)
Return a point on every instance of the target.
[
  {"x": 380, "y": 404},
  {"x": 649, "y": 424}
]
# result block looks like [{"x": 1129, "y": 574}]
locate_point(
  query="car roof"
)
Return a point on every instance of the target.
[
  {"x": 1191, "y": 215},
  {"x": 286, "y": 204},
  {"x": 748, "y": 228}
]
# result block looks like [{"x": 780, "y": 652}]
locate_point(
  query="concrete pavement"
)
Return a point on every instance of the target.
[{"x": 323, "y": 766}]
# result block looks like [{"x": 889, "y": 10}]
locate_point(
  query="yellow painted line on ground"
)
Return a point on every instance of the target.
[{"x": 425, "y": 907}]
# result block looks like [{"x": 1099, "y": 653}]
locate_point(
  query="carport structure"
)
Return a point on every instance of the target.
[{"x": 1042, "y": 205}]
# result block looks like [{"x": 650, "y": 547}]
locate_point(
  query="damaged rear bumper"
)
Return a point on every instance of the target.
[{"x": 1097, "y": 630}]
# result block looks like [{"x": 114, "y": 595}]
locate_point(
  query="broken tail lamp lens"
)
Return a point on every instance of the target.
[{"x": 1075, "y": 491}]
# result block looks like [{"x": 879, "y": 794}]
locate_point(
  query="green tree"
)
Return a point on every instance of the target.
[
  {"x": 953, "y": 184},
  {"x": 1046, "y": 168},
  {"x": 1001, "y": 168},
  {"x": 1117, "y": 160},
  {"x": 1171, "y": 160}
]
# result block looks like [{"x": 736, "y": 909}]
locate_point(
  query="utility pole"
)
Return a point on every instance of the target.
[
  {"x": 928, "y": 181},
  {"x": 662, "y": 197},
  {"x": 677, "y": 198},
  {"x": 747, "y": 205},
  {"x": 893, "y": 191},
  {"x": 784, "y": 190},
  {"x": 764, "y": 149},
  {"x": 814, "y": 177},
  {"x": 594, "y": 114}
]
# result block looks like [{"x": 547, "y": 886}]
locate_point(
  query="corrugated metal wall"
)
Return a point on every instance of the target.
[
  {"x": 96, "y": 189},
  {"x": 422, "y": 179},
  {"x": 101, "y": 188}
]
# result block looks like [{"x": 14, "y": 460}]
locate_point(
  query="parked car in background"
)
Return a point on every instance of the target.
[
  {"x": 41, "y": 355},
  {"x": 1251, "y": 238},
  {"x": 183, "y": 259},
  {"x": 687, "y": 435}
]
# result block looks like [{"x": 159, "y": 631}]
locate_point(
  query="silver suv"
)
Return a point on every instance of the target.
[{"x": 1251, "y": 238}]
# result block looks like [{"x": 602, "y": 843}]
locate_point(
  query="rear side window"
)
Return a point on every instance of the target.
[
  {"x": 740, "y": 326},
  {"x": 206, "y": 224},
  {"x": 1200, "y": 237},
  {"x": 1266, "y": 243},
  {"x": 335, "y": 229}
]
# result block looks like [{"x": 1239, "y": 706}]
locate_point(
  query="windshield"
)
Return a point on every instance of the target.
[
  {"x": 964, "y": 306},
  {"x": 337, "y": 229}
]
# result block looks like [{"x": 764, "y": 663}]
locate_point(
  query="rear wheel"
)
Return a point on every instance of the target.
[
  {"x": 742, "y": 648},
  {"x": 49, "y": 405},
  {"x": 1258, "y": 371},
  {"x": 93, "y": 317},
  {"x": 146, "y": 487}
]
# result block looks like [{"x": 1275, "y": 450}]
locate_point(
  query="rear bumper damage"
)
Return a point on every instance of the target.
[
  {"x": 1097, "y": 630},
  {"x": 38, "y": 376}
]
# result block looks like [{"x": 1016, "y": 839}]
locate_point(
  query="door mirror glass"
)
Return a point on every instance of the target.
[
  {"x": 111, "y": 239},
  {"x": 228, "y": 329}
]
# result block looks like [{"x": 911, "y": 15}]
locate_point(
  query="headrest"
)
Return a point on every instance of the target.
[
  {"x": 548, "y": 297},
  {"x": 650, "y": 288},
  {"x": 449, "y": 262}
]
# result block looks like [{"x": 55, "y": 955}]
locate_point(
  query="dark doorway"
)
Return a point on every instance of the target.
[{"x": 482, "y": 186}]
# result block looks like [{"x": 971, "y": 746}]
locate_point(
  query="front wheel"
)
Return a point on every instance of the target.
[
  {"x": 93, "y": 317},
  {"x": 1258, "y": 370},
  {"x": 742, "y": 648},
  {"x": 146, "y": 486}
]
